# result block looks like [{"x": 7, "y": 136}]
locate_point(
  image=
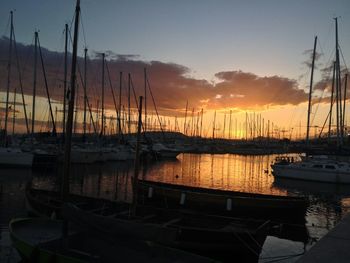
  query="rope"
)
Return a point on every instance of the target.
[{"x": 155, "y": 107}]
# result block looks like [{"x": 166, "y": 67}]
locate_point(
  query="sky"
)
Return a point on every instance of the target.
[{"x": 247, "y": 55}]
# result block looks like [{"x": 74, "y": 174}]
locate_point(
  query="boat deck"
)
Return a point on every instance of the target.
[{"x": 333, "y": 247}]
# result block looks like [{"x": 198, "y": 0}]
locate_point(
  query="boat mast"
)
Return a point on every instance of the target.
[
  {"x": 200, "y": 131},
  {"x": 331, "y": 106},
  {"x": 65, "y": 81},
  {"x": 68, "y": 141},
  {"x": 14, "y": 113},
  {"x": 103, "y": 94},
  {"x": 8, "y": 80},
  {"x": 34, "y": 80},
  {"x": 214, "y": 125},
  {"x": 20, "y": 81},
  {"x": 137, "y": 159},
  {"x": 345, "y": 86},
  {"x": 129, "y": 113},
  {"x": 145, "y": 76},
  {"x": 310, "y": 94},
  {"x": 185, "y": 117},
  {"x": 337, "y": 86},
  {"x": 47, "y": 91},
  {"x": 120, "y": 103},
  {"x": 85, "y": 97}
]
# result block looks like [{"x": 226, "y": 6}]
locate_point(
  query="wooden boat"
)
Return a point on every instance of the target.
[
  {"x": 228, "y": 203},
  {"x": 40, "y": 240},
  {"x": 196, "y": 232},
  {"x": 45, "y": 203}
]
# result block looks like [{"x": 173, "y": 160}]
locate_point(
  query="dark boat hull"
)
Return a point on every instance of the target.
[
  {"x": 228, "y": 203},
  {"x": 40, "y": 240}
]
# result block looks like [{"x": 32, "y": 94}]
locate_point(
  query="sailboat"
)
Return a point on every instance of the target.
[
  {"x": 314, "y": 168},
  {"x": 12, "y": 156}
]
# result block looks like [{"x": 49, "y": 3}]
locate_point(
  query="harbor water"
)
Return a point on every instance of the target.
[{"x": 252, "y": 174}]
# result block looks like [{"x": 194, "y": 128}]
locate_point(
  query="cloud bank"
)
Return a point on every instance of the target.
[{"x": 170, "y": 83}]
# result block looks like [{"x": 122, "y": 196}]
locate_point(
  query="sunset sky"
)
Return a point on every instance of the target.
[{"x": 217, "y": 55}]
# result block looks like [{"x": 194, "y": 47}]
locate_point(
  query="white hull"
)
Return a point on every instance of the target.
[
  {"x": 311, "y": 174},
  {"x": 15, "y": 158}
]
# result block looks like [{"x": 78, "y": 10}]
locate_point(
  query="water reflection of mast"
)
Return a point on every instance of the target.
[{"x": 211, "y": 169}]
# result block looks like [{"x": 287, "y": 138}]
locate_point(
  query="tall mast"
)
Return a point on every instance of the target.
[
  {"x": 310, "y": 94},
  {"x": 129, "y": 113},
  {"x": 185, "y": 128},
  {"x": 223, "y": 132},
  {"x": 137, "y": 158},
  {"x": 246, "y": 126},
  {"x": 200, "y": 132},
  {"x": 85, "y": 96},
  {"x": 34, "y": 81},
  {"x": 145, "y": 76},
  {"x": 20, "y": 81},
  {"x": 214, "y": 125},
  {"x": 331, "y": 106},
  {"x": 337, "y": 86},
  {"x": 103, "y": 95},
  {"x": 68, "y": 141},
  {"x": 14, "y": 113},
  {"x": 65, "y": 80},
  {"x": 345, "y": 86},
  {"x": 8, "y": 79},
  {"x": 229, "y": 126},
  {"x": 47, "y": 91},
  {"x": 120, "y": 103}
]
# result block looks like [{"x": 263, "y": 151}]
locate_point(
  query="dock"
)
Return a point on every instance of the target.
[{"x": 333, "y": 247}]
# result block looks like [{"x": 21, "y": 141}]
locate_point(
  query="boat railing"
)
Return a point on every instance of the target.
[{"x": 284, "y": 160}]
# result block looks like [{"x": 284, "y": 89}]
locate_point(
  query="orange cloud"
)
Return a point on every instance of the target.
[{"x": 170, "y": 83}]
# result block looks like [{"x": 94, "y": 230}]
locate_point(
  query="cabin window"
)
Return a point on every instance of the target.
[
  {"x": 317, "y": 166},
  {"x": 329, "y": 167}
]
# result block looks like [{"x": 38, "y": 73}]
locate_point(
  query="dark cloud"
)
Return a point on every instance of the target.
[
  {"x": 309, "y": 54},
  {"x": 110, "y": 55},
  {"x": 170, "y": 83}
]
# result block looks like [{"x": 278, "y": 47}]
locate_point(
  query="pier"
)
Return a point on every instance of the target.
[{"x": 333, "y": 247}]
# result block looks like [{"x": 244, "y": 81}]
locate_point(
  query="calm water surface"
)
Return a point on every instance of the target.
[{"x": 328, "y": 203}]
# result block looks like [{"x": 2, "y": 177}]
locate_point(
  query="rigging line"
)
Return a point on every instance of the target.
[
  {"x": 94, "y": 80},
  {"x": 83, "y": 29},
  {"x": 328, "y": 115},
  {"x": 154, "y": 104},
  {"x": 20, "y": 82},
  {"x": 323, "y": 52},
  {"x": 133, "y": 90},
  {"x": 43, "y": 118},
  {"x": 135, "y": 98},
  {"x": 114, "y": 101},
  {"x": 87, "y": 101},
  {"x": 47, "y": 89},
  {"x": 346, "y": 67},
  {"x": 55, "y": 74},
  {"x": 319, "y": 101}
]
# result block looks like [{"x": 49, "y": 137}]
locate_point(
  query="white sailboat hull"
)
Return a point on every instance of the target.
[
  {"x": 10, "y": 157},
  {"x": 311, "y": 174}
]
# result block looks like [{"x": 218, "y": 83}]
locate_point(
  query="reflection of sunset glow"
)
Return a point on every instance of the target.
[{"x": 228, "y": 172}]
